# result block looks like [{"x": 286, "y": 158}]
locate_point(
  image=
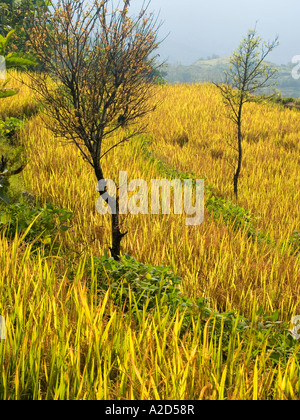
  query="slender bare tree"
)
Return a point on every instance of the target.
[
  {"x": 100, "y": 61},
  {"x": 248, "y": 74}
]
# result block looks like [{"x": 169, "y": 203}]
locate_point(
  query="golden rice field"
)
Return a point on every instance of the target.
[{"x": 64, "y": 344}]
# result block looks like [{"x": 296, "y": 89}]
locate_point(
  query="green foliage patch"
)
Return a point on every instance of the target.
[
  {"x": 139, "y": 289},
  {"x": 39, "y": 226},
  {"x": 9, "y": 127}
]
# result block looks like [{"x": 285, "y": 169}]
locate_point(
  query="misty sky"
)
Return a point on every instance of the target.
[{"x": 200, "y": 28}]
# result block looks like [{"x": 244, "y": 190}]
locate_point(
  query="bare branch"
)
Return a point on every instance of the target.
[
  {"x": 7, "y": 174},
  {"x": 100, "y": 61}
]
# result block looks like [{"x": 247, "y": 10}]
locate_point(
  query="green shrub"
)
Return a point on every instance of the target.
[
  {"x": 9, "y": 127},
  {"x": 140, "y": 288},
  {"x": 43, "y": 225},
  {"x": 149, "y": 285},
  {"x": 4, "y": 184},
  {"x": 10, "y": 154}
]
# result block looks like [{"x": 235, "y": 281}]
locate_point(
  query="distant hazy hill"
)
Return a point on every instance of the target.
[{"x": 211, "y": 70}]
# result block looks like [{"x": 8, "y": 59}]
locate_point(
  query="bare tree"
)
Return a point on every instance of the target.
[
  {"x": 100, "y": 61},
  {"x": 248, "y": 75}
]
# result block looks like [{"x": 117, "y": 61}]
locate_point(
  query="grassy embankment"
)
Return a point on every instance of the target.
[{"x": 68, "y": 338}]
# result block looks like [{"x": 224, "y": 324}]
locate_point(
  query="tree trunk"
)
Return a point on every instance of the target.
[
  {"x": 117, "y": 236},
  {"x": 240, "y": 157}
]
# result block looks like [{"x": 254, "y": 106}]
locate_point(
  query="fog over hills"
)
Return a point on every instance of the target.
[
  {"x": 212, "y": 68},
  {"x": 196, "y": 28}
]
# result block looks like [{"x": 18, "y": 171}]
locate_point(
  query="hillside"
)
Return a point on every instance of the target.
[
  {"x": 189, "y": 313},
  {"x": 211, "y": 70}
]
